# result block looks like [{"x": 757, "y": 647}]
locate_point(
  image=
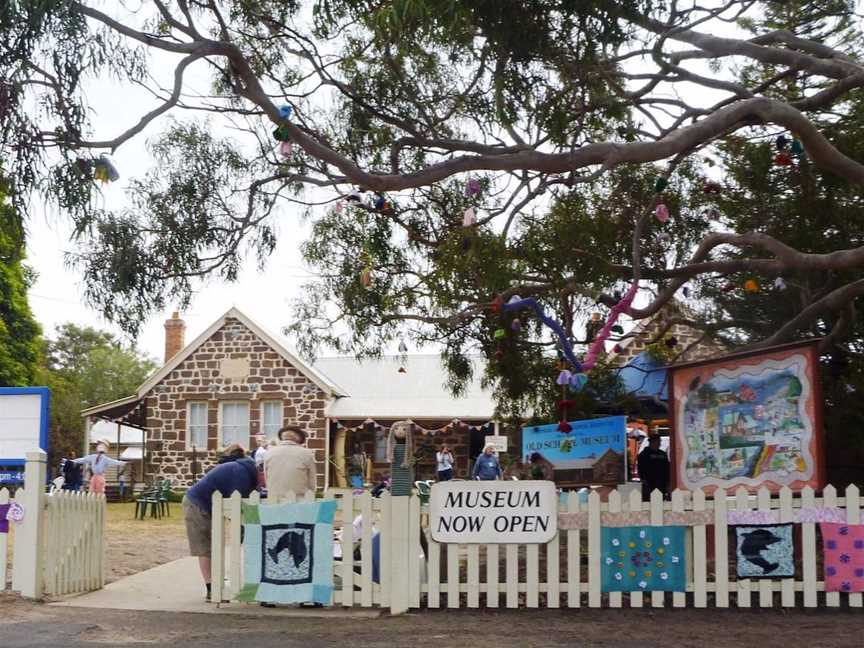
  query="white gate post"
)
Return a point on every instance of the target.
[
  {"x": 27, "y": 568},
  {"x": 400, "y": 549}
]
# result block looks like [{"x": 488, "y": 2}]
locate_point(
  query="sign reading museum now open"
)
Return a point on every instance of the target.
[{"x": 493, "y": 512}]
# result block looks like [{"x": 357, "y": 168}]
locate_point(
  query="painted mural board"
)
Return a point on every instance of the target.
[
  {"x": 748, "y": 420},
  {"x": 594, "y": 451}
]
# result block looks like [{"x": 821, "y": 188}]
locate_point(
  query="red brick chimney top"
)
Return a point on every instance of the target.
[{"x": 175, "y": 335}]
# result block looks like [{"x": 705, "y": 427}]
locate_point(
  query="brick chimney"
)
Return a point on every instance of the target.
[{"x": 175, "y": 335}]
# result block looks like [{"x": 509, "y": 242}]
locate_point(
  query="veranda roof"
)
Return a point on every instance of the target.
[{"x": 378, "y": 390}]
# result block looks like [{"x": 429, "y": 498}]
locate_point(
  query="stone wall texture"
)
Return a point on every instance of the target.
[
  {"x": 692, "y": 343},
  {"x": 205, "y": 377}
]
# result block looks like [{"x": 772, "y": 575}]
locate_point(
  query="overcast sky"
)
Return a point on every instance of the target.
[{"x": 57, "y": 296}]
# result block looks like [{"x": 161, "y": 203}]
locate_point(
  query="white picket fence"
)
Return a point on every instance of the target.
[
  {"x": 58, "y": 546},
  {"x": 566, "y": 571},
  {"x": 568, "y": 579},
  {"x": 353, "y": 578}
]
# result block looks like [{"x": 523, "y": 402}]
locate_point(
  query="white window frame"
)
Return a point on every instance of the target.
[
  {"x": 281, "y": 409},
  {"x": 190, "y": 432},
  {"x": 380, "y": 444},
  {"x": 245, "y": 440}
]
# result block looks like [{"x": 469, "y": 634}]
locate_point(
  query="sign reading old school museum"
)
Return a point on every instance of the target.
[{"x": 493, "y": 512}]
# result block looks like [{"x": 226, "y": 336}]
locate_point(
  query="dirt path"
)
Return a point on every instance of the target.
[
  {"x": 134, "y": 545},
  {"x": 24, "y": 624}
]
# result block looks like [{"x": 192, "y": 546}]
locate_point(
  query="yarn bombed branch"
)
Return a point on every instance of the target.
[
  {"x": 563, "y": 114},
  {"x": 622, "y": 307},
  {"x": 530, "y": 302},
  {"x": 618, "y": 309}
]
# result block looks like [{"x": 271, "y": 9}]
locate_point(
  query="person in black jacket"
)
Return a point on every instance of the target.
[
  {"x": 73, "y": 474},
  {"x": 653, "y": 466}
]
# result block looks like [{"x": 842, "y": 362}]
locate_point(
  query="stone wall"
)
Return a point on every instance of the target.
[
  {"x": 234, "y": 364},
  {"x": 686, "y": 336}
]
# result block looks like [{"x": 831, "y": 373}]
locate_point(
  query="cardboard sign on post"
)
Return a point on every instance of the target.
[
  {"x": 493, "y": 512},
  {"x": 500, "y": 442}
]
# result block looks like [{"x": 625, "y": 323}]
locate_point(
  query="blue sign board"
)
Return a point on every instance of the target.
[
  {"x": 11, "y": 476},
  {"x": 592, "y": 441}
]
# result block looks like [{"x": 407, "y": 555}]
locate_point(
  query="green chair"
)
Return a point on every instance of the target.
[
  {"x": 424, "y": 490},
  {"x": 149, "y": 497},
  {"x": 164, "y": 492}
]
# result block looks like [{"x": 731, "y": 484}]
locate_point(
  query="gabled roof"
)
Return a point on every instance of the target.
[
  {"x": 307, "y": 370},
  {"x": 118, "y": 408}
]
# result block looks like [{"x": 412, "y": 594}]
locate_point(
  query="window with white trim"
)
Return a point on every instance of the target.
[
  {"x": 196, "y": 425},
  {"x": 271, "y": 418},
  {"x": 235, "y": 424}
]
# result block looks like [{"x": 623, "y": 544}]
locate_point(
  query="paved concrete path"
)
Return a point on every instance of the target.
[{"x": 176, "y": 587}]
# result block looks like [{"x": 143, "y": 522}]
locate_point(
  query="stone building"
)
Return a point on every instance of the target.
[
  {"x": 691, "y": 343},
  {"x": 236, "y": 382}
]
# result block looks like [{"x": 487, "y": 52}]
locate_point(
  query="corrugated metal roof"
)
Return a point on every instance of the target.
[
  {"x": 107, "y": 430},
  {"x": 377, "y": 389}
]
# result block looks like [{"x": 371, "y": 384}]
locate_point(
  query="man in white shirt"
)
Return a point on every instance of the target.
[{"x": 289, "y": 467}]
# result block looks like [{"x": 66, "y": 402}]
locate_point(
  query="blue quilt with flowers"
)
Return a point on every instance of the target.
[{"x": 643, "y": 559}]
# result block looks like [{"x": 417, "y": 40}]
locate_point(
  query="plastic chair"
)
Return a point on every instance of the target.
[
  {"x": 424, "y": 490},
  {"x": 164, "y": 492},
  {"x": 148, "y": 498},
  {"x": 56, "y": 485}
]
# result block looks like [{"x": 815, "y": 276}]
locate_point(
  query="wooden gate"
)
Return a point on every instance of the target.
[{"x": 74, "y": 543}]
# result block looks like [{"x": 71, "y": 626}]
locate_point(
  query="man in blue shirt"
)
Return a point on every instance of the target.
[{"x": 238, "y": 475}]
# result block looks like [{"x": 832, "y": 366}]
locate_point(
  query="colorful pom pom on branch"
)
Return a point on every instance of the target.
[
  {"x": 473, "y": 187},
  {"x": 797, "y": 148},
  {"x": 783, "y": 159},
  {"x": 104, "y": 169},
  {"x": 578, "y": 381}
]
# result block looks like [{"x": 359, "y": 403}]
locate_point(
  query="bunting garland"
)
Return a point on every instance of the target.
[{"x": 455, "y": 423}]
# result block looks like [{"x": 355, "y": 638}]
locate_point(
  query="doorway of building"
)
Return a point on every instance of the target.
[{"x": 476, "y": 441}]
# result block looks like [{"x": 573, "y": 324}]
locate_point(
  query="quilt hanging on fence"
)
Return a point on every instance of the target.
[
  {"x": 288, "y": 552},
  {"x": 843, "y": 545},
  {"x": 4, "y": 523},
  {"x": 643, "y": 559},
  {"x": 764, "y": 551}
]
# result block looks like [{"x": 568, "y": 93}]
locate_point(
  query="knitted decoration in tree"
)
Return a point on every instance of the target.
[{"x": 472, "y": 187}]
